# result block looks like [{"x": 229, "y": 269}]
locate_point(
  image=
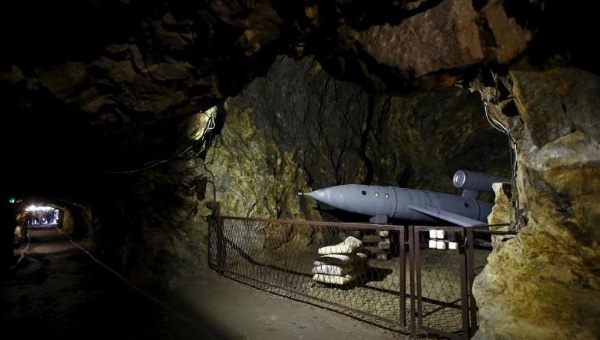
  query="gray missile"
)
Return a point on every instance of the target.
[{"x": 412, "y": 205}]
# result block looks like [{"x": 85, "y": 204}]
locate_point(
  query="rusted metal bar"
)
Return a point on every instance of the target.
[
  {"x": 415, "y": 306},
  {"x": 464, "y": 284},
  {"x": 345, "y": 225},
  {"x": 218, "y": 220},
  {"x": 470, "y": 278},
  {"x": 402, "y": 239}
]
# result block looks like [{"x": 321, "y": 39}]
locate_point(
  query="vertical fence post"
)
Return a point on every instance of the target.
[
  {"x": 402, "y": 239},
  {"x": 218, "y": 225},
  {"x": 465, "y": 253},
  {"x": 413, "y": 244},
  {"x": 470, "y": 278}
]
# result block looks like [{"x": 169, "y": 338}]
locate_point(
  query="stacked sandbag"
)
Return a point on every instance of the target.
[{"x": 341, "y": 263}]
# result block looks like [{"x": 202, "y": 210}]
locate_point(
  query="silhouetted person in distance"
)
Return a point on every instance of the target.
[{"x": 8, "y": 222}]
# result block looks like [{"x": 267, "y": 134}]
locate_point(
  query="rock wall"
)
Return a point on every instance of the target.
[
  {"x": 363, "y": 96},
  {"x": 544, "y": 283}
]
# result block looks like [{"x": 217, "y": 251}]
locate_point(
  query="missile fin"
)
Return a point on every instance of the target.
[{"x": 448, "y": 216}]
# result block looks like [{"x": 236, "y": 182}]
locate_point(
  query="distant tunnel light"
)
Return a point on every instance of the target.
[
  {"x": 39, "y": 208},
  {"x": 42, "y": 215}
]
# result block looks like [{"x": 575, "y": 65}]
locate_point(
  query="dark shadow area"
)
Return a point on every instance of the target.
[{"x": 57, "y": 291}]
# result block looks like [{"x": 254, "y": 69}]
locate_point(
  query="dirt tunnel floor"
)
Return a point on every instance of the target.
[{"x": 57, "y": 292}]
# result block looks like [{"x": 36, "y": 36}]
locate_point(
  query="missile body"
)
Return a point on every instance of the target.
[
  {"x": 472, "y": 182},
  {"x": 400, "y": 203}
]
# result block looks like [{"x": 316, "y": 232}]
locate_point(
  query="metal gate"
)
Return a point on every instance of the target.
[
  {"x": 415, "y": 279},
  {"x": 442, "y": 291}
]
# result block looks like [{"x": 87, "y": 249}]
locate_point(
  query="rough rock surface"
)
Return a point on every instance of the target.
[
  {"x": 121, "y": 109},
  {"x": 543, "y": 283}
]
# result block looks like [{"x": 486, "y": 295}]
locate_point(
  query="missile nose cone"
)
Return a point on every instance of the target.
[
  {"x": 309, "y": 194},
  {"x": 318, "y": 195}
]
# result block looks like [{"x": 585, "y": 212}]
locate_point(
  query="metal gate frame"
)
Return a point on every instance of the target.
[
  {"x": 409, "y": 242},
  {"x": 461, "y": 302}
]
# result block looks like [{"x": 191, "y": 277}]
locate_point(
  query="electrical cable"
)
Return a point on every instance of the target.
[
  {"x": 210, "y": 125},
  {"x": 515, "y": 225}
]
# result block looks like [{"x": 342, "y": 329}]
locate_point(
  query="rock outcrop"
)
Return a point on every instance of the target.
[{"x": 310, "y": 94}]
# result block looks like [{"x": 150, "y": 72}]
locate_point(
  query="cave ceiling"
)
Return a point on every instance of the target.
[
  {"x": 94, "y": 87},
  {"x": 311, "y": 93}
]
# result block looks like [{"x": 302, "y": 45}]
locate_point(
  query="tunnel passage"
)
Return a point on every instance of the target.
[{"x": 34, "y": 212}]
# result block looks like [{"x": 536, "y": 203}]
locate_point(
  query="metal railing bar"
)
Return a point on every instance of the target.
[
  {"x": 442, "y": 333},
  {"x": 249, "y": 258},
  {"x": 345, "y": 225},
  {"x": 436, "y": 310},
  {"x": 339, "y": 308}
]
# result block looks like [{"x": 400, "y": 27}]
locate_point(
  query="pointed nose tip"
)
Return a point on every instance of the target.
[
  {"x": 336, "y": 196},
  {"x": 318, "y": 195},
  {"x": 309, "y": 194}
]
